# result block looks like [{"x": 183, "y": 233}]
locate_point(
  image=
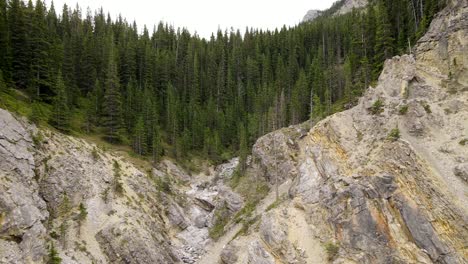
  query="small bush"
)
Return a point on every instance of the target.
[
  {"x": 118, "y": 186},
  {"x": 332, "y": 250},
  {"x": 83, "y": 213},
  {"x": 38, "y": 138},
  {"x": 65, "y": 205},
  {"x": 394, "y": 134},
  {"x": 95, "y": 154},
  {"x": 377, "y": 107},
  {"x": 403, "y": 110},
  {"x": 54, "y": 235},
  {"x": 463, "y": 142},
  {"x": 427, "y": 108},
  {"x": 163, "y": 184},
  {"x": 53, "y": 255},
  {"x": 221, "y": 220},
  {"x": 235, "y": 178}
]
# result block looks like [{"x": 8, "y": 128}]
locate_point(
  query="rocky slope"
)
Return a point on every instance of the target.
[{"x": 96, "y": 207}]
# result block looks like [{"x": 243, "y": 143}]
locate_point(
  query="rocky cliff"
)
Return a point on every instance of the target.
[
  {"x": 311, "y": 15},
  {"x": 345, "y": 6},
  {"x": 348, "y": 6}
]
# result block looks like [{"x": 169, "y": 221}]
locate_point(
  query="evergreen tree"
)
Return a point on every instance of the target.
[
  {"x": 383, "y": 39},
  {"x": 60, "y": 118},
  {"x": 157, "y": 145},
  {"x": 139, "y": 137},
  {"x": 39, "y": 51},
  {"x": 243, "y": 148},
  {"x": 3, "y": 87},
  {"x": 20, "y": 44},
  {"x": 112, "y": 101},
  {"x": 53, "y": 255},
  {"x": 4, "y": 39}
]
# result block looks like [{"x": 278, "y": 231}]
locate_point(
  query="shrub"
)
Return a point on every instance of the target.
[
  {"x": 38, "y": 138},
  {"x": 95, "y": 154},
  {"x": 394, "y": 134},
  {"x": 403, "y": 110},
  {"x": 221, "y": 219},
  {"x": 163, "y": 184},
  {"x": 377, "y": 107},
  {"x": 427, "y": 108},
  {"x": 83, "y": 213},
  {"x": 463, "y": 142},
  {"x": 118, "y": 186},
  {"x": 53, "y": 255},
  {"x": 332, "y": 250}
]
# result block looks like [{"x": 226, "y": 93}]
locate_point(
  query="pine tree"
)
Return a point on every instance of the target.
[
  {"x": 112, "y": 101},
  {"x": 53, "y": 255},
  {"x": 3, "y": 87},
  {"x": 60, "y": 118},
  {"x": 243, "y": 148},
  {"x": 20, "y": 44},
  {"x": 4, "y": 42},
  {"x": 157, "y": 145},
  {"x": 40, "y": 52},
  {"x": 383, "y": 39},
  {"x": 139, "y": 137}
]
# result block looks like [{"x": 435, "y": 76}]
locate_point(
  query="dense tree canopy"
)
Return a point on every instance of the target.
[{"x": 170, "y": 92}]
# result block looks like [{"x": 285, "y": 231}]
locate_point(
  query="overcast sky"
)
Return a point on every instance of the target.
[{"x": 205, "y": 16}]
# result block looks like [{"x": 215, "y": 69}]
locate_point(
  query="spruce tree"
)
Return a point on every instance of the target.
[
  {"x": 139, "y": 137},
  {"x": 3, "y": 87},
  {"x": 112, "y": 101},
  {"x": 19, "y": 40},
  {"x": 4, "y": 41},
  {"x": 39, "y": 52},
  {"x": 243, "y": 148},
  {"x": 383, "y": 39},
  {"x": 60, "y": 118},
  {"x": 53, "y": 255}
]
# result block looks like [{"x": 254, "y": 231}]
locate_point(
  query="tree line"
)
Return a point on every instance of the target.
[{"x": 170, "y": 92}]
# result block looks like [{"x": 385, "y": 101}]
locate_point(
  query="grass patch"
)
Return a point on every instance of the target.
[
  {"x": 246, "y": 224},
  {"x": 274, "y": 204}
]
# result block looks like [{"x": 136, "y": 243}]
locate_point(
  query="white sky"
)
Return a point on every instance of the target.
[{"x": 204, "y": 16}]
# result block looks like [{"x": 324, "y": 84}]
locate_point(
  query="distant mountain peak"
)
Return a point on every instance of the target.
[
  {"x": 344, "y": 6},
  {"x": 348, "y": 5},
  {"x": 311, "y": 15}
]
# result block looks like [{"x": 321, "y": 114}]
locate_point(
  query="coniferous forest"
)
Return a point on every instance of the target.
[{"x": 165, "y": 91}]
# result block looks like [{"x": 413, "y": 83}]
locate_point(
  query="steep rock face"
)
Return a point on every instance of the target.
[
  {"x": 311, "y": 15},
  {"x": 22, "y": 210},
  {"x": 388, "y": 187},
  {"x": 348, "y": 6},
  {"x": 45, "y": 177}
]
